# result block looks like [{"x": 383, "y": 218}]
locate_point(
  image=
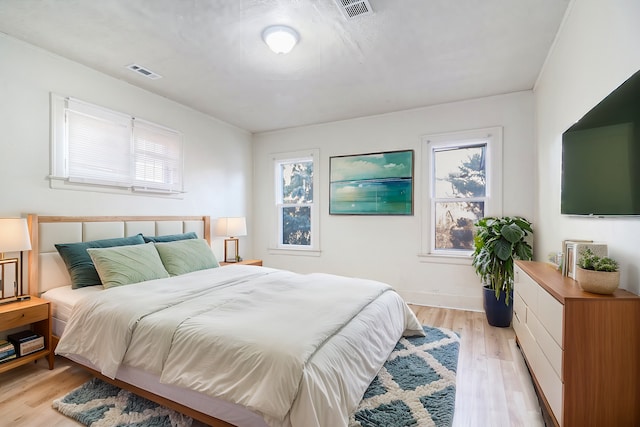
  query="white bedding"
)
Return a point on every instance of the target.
[
  {"x": 279, "y": 343},
  {"x": 63, "y": 299}
]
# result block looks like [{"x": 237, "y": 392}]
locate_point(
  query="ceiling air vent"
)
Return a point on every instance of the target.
[
  {"x": 144, "y": 71},
  {"x": 354, "y": 8}
]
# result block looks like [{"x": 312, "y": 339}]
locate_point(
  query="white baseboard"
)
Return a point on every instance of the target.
[{"x": 470, "y": 303}]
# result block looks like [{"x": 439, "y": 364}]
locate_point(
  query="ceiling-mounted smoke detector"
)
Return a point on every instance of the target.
[
  {"x": 144, "y": 71},
  {"x": 354, "y": 8}
]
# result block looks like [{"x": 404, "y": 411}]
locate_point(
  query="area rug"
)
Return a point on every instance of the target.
[
  {"x": 100, "y": 404},
  {"x": 415, "y": 387}
]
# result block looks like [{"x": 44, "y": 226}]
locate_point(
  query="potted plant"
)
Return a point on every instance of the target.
[
  {"x": 596, "y": 274},
  {"x": 498, "y": 242}
]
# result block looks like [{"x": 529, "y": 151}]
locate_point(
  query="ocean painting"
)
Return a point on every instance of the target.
[{"x": 372, "y": 184}]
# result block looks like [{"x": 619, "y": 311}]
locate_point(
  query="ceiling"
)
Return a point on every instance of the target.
[{"x": 406, "y": 54}]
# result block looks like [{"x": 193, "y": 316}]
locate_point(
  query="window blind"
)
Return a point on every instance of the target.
[
  {"x": 104, "y": 147},
  {"x": 99, "y": 144},
  {"x": 157, "y": 158}
]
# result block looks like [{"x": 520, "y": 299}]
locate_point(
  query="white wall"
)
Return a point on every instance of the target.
[
  {"x": 382, "y": 247},
  {"x": 218, "y": 166},
  {"x": 595, "y": 51}
]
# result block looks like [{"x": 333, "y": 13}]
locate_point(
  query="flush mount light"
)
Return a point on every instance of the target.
[{"x": 280, "y": 38}]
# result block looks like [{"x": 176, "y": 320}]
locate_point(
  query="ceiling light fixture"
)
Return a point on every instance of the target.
[{"x": 280, "y": 38}]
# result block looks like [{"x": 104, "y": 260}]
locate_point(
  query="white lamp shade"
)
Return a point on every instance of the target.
[
  {"x": 14, "y": 235},
  {"x": 231, "y": 227},
  {"x": 280, "y": 39}
]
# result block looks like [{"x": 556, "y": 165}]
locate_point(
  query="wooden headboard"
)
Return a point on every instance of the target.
[{"x": 46, "y": 269}]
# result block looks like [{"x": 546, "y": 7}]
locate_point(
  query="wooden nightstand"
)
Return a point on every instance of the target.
[
  {"x": 35, "y": 312},
  {"x": 257, "y": 262}
]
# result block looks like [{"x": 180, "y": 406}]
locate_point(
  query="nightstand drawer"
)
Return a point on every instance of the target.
[
  {"x": 34, "y": 313},
  {"x": 23, "y": 316}
]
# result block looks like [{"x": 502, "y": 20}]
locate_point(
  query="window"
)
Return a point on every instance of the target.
[
  {"x": 100, "y": 147},
  {"x": 157, "y": 157},
  {"x": 296, "y": 205},
  {"x": 464, "y": 184}
]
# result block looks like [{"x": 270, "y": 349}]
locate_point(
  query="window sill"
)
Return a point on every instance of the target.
[
  {"x": 445, "y": 259},
  {"x": 64, "y": 184},
  {"x": 294, "y": 252}
]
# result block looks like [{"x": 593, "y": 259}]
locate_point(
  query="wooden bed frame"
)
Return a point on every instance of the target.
[{"x": 34, "y": 222}]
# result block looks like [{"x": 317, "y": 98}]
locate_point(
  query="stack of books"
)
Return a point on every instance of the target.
[
  {"x": 26, "y": 342},
  {"x": 7, "y": 351}
]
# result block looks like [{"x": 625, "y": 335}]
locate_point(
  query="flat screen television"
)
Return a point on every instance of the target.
[{"x": 601, "y": 157}]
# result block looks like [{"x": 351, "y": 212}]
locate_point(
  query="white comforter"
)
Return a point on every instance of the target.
[{"x": 298, "y": 349}]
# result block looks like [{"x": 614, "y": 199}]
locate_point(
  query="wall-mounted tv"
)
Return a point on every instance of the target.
[{"x": 601, "y": 157}]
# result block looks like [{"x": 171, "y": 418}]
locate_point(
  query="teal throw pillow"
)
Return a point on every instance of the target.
[{"x": 170, "y": 237}]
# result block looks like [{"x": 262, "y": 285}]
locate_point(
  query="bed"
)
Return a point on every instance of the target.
[{"x": 239, "y": 345}]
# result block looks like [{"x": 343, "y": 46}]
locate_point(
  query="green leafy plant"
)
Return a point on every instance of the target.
[
  {"x": 498, "y": 242},
  {"x": 590, "y": 261}
]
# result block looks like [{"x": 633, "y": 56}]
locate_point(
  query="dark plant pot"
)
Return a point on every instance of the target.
[{"x": 498, "y": 313}]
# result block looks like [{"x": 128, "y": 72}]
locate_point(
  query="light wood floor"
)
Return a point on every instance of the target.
[{"x": 493, "y": 385}]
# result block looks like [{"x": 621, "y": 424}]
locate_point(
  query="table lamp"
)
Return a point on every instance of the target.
[
  {"x": 14, "y": 237},
  {"x": 231, "y": 228}
]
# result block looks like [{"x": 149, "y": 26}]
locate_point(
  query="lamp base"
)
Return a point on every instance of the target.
[
  {"x": 231, "y": 250},
  {"x": 8, "y": 300}
]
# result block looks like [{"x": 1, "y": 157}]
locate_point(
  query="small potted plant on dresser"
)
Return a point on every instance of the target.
[
  {"x": 595, "y": 274},
  {"x": 498, "y": 242}
]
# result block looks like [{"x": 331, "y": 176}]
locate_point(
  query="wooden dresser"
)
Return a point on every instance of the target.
[{"x": 582, "y": 349}]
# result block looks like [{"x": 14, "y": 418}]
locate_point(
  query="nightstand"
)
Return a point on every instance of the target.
[
  {"x": 257, "y": 262},
  {"x": 35, "y": 312}
]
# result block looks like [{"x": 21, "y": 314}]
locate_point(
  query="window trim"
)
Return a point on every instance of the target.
[
  {"x": 59, "y": 168},
  {"x": 276, "y": 247},
  {"x": 493, "y": 198}
]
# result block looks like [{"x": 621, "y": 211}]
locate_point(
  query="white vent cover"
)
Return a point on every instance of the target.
[
  {"x": 354, "y": 8},
  {"x": 144, "y": 71}
]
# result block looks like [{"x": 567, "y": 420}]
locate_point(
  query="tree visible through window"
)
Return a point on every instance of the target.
[
  {"x": 295, "y": 202},
  {"x": 459, "y": 194},
  {"x": 463, "y": 175}
]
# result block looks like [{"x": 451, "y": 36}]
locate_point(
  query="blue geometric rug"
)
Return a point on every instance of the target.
[
  {"x": 100, "y": 404},
  {"x": 416, "y": 387}
]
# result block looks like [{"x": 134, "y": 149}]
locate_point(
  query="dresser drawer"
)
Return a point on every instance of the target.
[
  {"x": 549, "y": 382},
  {"x": 551, "y": 350},
  {"x": 550, "y": 314},
  {"x": 527, "y": 288},
  {"x": 519, "y": 308}
]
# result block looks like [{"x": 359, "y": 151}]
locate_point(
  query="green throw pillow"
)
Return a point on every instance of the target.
[
  {"x": 184, "y": 256},
  {"x": 124, "y": 265},
  {"x": 81, "y": 269},
  {"x": 171, "y": 237}
]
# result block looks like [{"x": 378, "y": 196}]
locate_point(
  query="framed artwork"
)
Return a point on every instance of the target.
[
  {"x": 371, "y": 184},
  {"x": 572, "y": 251},
  {"x": 9, "y": 278}
]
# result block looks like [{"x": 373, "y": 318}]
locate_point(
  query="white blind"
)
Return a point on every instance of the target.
[
  {"x": 157, "y": 158},
  {"x": 99, "y": 144},
  {"x": 105, "y": 147}
]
